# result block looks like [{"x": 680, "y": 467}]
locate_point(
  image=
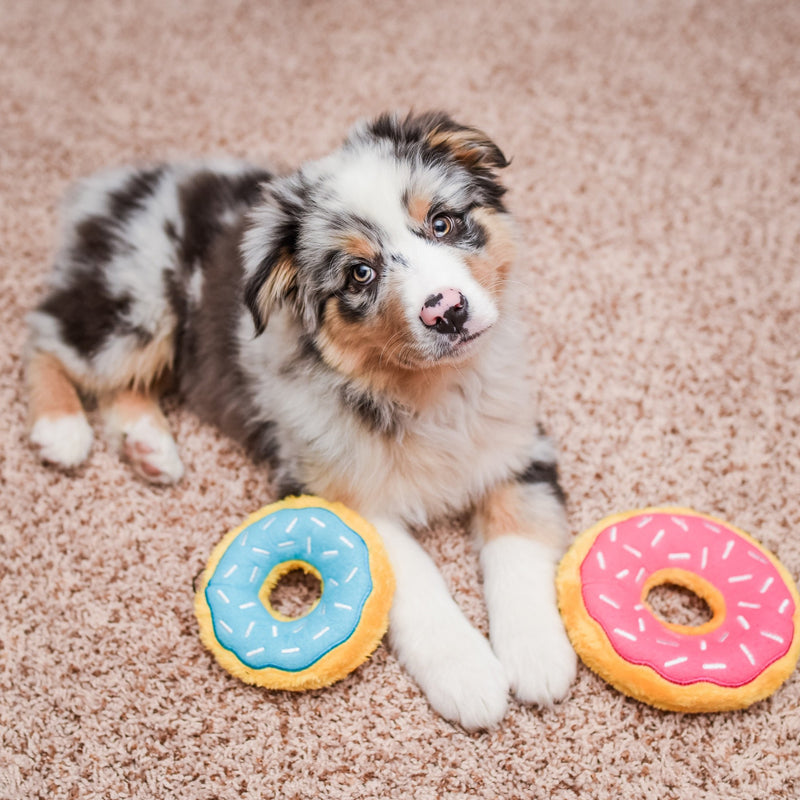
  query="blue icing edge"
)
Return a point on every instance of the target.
[{"x": 245, "y": 627}]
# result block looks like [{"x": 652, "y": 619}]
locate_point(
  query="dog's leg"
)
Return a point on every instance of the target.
[
  {"x": 138, "y": 427},
  {"x": 450, "y": 660},
  {"x": 58, "y": 424},
  {"x": 523, "y": 531}
]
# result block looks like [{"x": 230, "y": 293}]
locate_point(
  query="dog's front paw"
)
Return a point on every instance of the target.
[
  {"x": 527, "y": 633},
  {"x": 537, "y": 655},
  {"x": 463, "y": 679}
]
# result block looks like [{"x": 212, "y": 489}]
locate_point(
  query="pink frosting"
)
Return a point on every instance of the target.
[{"x": 758, "y": 621}]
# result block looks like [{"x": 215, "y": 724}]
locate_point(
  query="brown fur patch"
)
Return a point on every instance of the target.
[
  {"x": 501, "y": 513},
  {"x": 53, "y": 388},
  {"x": 360, "y": 247},
  {"x": 469, "y": 146},
  {"x": 51, "y": 392},
  {"x": 513, "y": 509},
  {"x": 418, "y": 208},
  {"x": 368, "y": 345},
  {"x": 492, "y": 265},
  {"x": 143, "y": 369},
  {"x": 378, "y": 352},
  {"x": 280, "y": 283},
  {"x": 125, "y": 407}
]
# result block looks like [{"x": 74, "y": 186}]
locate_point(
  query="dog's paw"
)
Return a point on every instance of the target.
[
  {"x": 526, "y": 630},
  {"x": 538, "y": 658},
  {"x": 64, "y": 441},
  {"x": 463, "y": 679},
  {"x": 152, "y": 452}
]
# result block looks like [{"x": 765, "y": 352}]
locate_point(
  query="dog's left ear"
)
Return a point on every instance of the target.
[{"x": 269, "y": 251}]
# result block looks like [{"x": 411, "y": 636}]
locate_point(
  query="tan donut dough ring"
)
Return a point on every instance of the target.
[
  {"x": 253, "y": 640},
  {"x": 746, "y": 650}
]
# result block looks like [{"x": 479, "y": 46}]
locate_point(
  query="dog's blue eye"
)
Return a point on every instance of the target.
[
  {"x": 441, "y": 225},
  {"x": 363, "y": 274}
]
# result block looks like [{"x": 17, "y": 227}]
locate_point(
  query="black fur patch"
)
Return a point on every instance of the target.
[
  {"x": 100, "y": 237},
  {"x": 289, "y": 486},
  {"x": 176, "y": 295},
  {"x": 543, "y": 472},
  {"x": 474, "y": 235},
  {"x": 209, "y": 375},
  {"x": 348, "y": 222},
  {"x": 87, "y": 312},
  {"x": 170, "y": 230},
  {"x": 263, "y": 446},
  {"x": 97, "y": 239},
  {"x": 262, "y": 443},
  {"x": 355, "y": 307},
  {"x": 133, "y": 195},
  {"x": 204, "y": 200},
  {"x": 377, "y": 415}
]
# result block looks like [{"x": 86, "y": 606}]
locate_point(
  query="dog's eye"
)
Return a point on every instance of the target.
[
  {"x": 362, "y": 273},
  {"x": 441, "y": 225}
]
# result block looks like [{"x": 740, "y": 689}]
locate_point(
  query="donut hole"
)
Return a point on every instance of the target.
[
  {"x": 678, "y": 605},
  {"x": 296, "y": 593}
]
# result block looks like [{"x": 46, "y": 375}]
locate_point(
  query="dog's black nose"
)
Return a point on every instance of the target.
[{"x": 446, "y": 311}]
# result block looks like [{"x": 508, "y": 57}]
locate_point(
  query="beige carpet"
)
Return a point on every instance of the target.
[{"x": 656, "y": 178}]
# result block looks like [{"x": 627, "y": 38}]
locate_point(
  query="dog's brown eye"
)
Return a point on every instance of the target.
[
  {"x": 441, "y": 225},
  {"x": 363, "y": 274}
]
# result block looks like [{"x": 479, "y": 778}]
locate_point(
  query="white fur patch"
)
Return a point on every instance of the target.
[
  {"x": 526, "y": 630},
  {"x": 64, "y": 440},
  {"x": 194, "y": 288}
]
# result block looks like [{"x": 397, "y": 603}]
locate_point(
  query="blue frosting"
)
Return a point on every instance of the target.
[{"x": 243, "y": 625}]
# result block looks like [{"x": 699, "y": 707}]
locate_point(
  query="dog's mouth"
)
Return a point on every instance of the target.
[
  {"x": 466, "y": 337},
  {"x": 457, "y": 347}
]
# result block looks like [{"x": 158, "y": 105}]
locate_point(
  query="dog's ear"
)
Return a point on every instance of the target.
[
  {"x": 436, "y": 136},
  {"x": 269, "y": 251},
  {"x": 274, "y": 282},
  {"x": 469, "y": 146},
  {"x": 437, "y": 140}
]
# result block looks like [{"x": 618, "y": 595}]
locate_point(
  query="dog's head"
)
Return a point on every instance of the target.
[{"x": 393, "y": 251}]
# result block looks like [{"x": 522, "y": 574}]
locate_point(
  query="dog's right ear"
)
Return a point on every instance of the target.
[{"x": 269, "y": 248}]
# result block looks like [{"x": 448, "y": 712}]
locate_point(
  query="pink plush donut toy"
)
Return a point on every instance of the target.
[{"x": 742, "y": 654}]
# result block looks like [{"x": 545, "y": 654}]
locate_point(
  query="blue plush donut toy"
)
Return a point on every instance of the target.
[{"x": 254, "y": 641}]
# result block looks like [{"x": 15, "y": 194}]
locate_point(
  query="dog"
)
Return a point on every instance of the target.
[{"x": 357, "y": 326}]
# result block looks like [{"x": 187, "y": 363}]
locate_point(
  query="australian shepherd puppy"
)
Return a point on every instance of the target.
[{"x": 356, "y": 325}]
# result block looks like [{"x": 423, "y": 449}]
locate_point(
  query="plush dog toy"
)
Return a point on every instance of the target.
[
  {"x": 257, "y": 643},
  {"x": 745, "y": 651}
]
